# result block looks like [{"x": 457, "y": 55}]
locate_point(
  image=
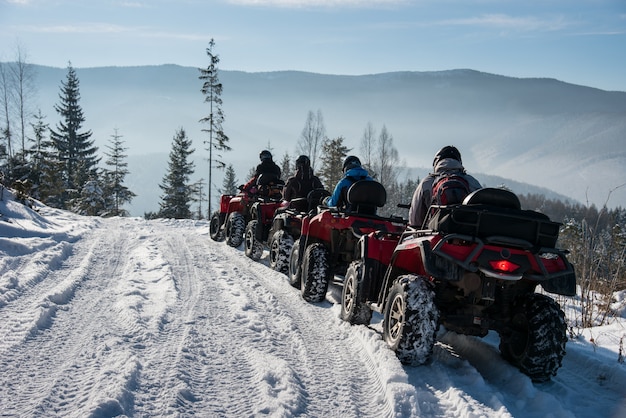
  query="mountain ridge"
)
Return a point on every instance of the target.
[{"x": 540, "y": 131}]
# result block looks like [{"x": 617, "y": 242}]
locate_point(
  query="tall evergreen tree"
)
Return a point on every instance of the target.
[
  {"x": 75, "y": 148},
  {"x": 212, "y": 90},
  {"x": 116, "y": 193},
  {"x": 175, "y": 202},
  {"x": 333, "y": 154}
]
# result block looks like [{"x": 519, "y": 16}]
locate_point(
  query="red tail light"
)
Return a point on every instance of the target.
[{"x": 504, "y": 266}]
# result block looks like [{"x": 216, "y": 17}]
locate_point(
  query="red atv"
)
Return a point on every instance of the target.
[
  {"x": 261, "y": 216},
  {"x": 237, "y": 210},
  {"x": 328, "y": 239},
  {"x": 287, "y": 225},
  {"x": 476, "y": 269}
]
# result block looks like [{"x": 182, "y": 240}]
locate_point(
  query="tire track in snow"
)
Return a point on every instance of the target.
[
  {"x": 70, "y": 360},
  {"x": 319, "y": 371},
  {"x": 162, "y": 387},
  {"x": 26, "y": 305}
]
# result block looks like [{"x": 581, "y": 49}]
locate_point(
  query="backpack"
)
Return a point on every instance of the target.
[{"x": 449, "y": 189}]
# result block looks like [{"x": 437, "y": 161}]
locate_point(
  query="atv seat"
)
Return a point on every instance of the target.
[
  {"x": 365, "y": 196},
  {"x": 299, "y": 204},
  {"x": 495, "y": 197}
]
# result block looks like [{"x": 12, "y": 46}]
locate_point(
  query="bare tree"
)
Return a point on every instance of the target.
[
  {"x": 313, "y": 133},
  {"x": 387, "y": 162},
  {"x": 368, "y": 146},
  {"x": 23, "y": 76},
  {"x": 6, "y": 97}
]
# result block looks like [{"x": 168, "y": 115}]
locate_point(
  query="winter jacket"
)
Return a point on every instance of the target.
[
  {"x": 339, "y": 196},
  {"x": 301, "y": 184},
  {"x": 266, "y": 167},
  {"x": 420, "y": 203}
]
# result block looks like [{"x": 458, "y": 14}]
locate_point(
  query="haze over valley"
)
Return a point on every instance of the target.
[{"x": 559, "y": 137}]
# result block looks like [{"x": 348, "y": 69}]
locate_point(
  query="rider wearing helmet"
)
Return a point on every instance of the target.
[
  {"x": 352, "y": 172},
  {"x": 267, "y": 166},
  {"x": 447, "y": 160},
  {"x": 303, "y": 182}
]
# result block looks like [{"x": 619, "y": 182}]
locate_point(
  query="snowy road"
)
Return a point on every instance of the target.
[{"x": 127, "y": 317}]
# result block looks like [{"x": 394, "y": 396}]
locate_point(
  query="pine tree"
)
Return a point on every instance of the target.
[
  {"x": 333, "y": 154},
  {"x": 198, "y": 196},
  {"x": 286, "y": 168},
  {"x": 115, "y": 192},
  {"x": 75, "y": 149},
  {"x": 175, "y": 202},
  {"x": 212, "y": 90},
  {"x": 229, "y": 186},
  {"x": 92, "y": 200},
  {"x": 39, "y": 155}
]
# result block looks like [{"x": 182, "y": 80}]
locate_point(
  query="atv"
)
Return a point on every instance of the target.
[
  {"x": 474, "y": 270},
  {"x": 286, "y": 227},
  {"x": 230, "y": 221},
  {"x": 328, "y": 239},
  {"x": 262, "y": 211}
]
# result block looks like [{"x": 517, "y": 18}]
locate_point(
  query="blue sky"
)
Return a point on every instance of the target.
[{"x": 577, "y": 41}]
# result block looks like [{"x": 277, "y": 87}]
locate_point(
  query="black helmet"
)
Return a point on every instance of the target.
[
  {"x": 265, "y": 155},
  {"x": 448, "y": 151},
  {"x": 351, "y": 162},
  {"x": 302, "y": 162}
]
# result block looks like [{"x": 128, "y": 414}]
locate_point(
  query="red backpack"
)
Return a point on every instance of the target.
[{"x": 449, "y": 188}]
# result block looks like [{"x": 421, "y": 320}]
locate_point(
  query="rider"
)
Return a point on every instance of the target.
[
  {"x": 352, "y": 172},
  {"x": 267, "y": 166},
  {"x": 303, "y": 181},
  {"x": 447, "y": 160}
]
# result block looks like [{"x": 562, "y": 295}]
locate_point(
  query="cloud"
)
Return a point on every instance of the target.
[
  {"x": 317, "y": 3},
  {"x": 502, "y": 21}
]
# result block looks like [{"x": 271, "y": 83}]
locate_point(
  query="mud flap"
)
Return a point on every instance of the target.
[{"x": 562, "y": 285}]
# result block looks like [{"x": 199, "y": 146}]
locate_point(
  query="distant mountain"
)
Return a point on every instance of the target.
[{"x": 556, "y": 136}]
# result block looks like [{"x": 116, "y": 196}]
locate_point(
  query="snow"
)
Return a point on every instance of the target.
[{"x": 138, "y": 318}]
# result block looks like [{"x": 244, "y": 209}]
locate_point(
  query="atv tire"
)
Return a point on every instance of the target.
[
  {"x": 235, "y": 226},
  {"x": 536, "y": 342},
  {"x": 353, "y": 308},
  {"x": 280, "y": 247},
  {"x": 295, "y": 271},
  {"x": 315, "y": 273},
  {"x": 411, "y": 320},
  {"x": 215, "y": 224},
  {"x": 253, "y": 248}
]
